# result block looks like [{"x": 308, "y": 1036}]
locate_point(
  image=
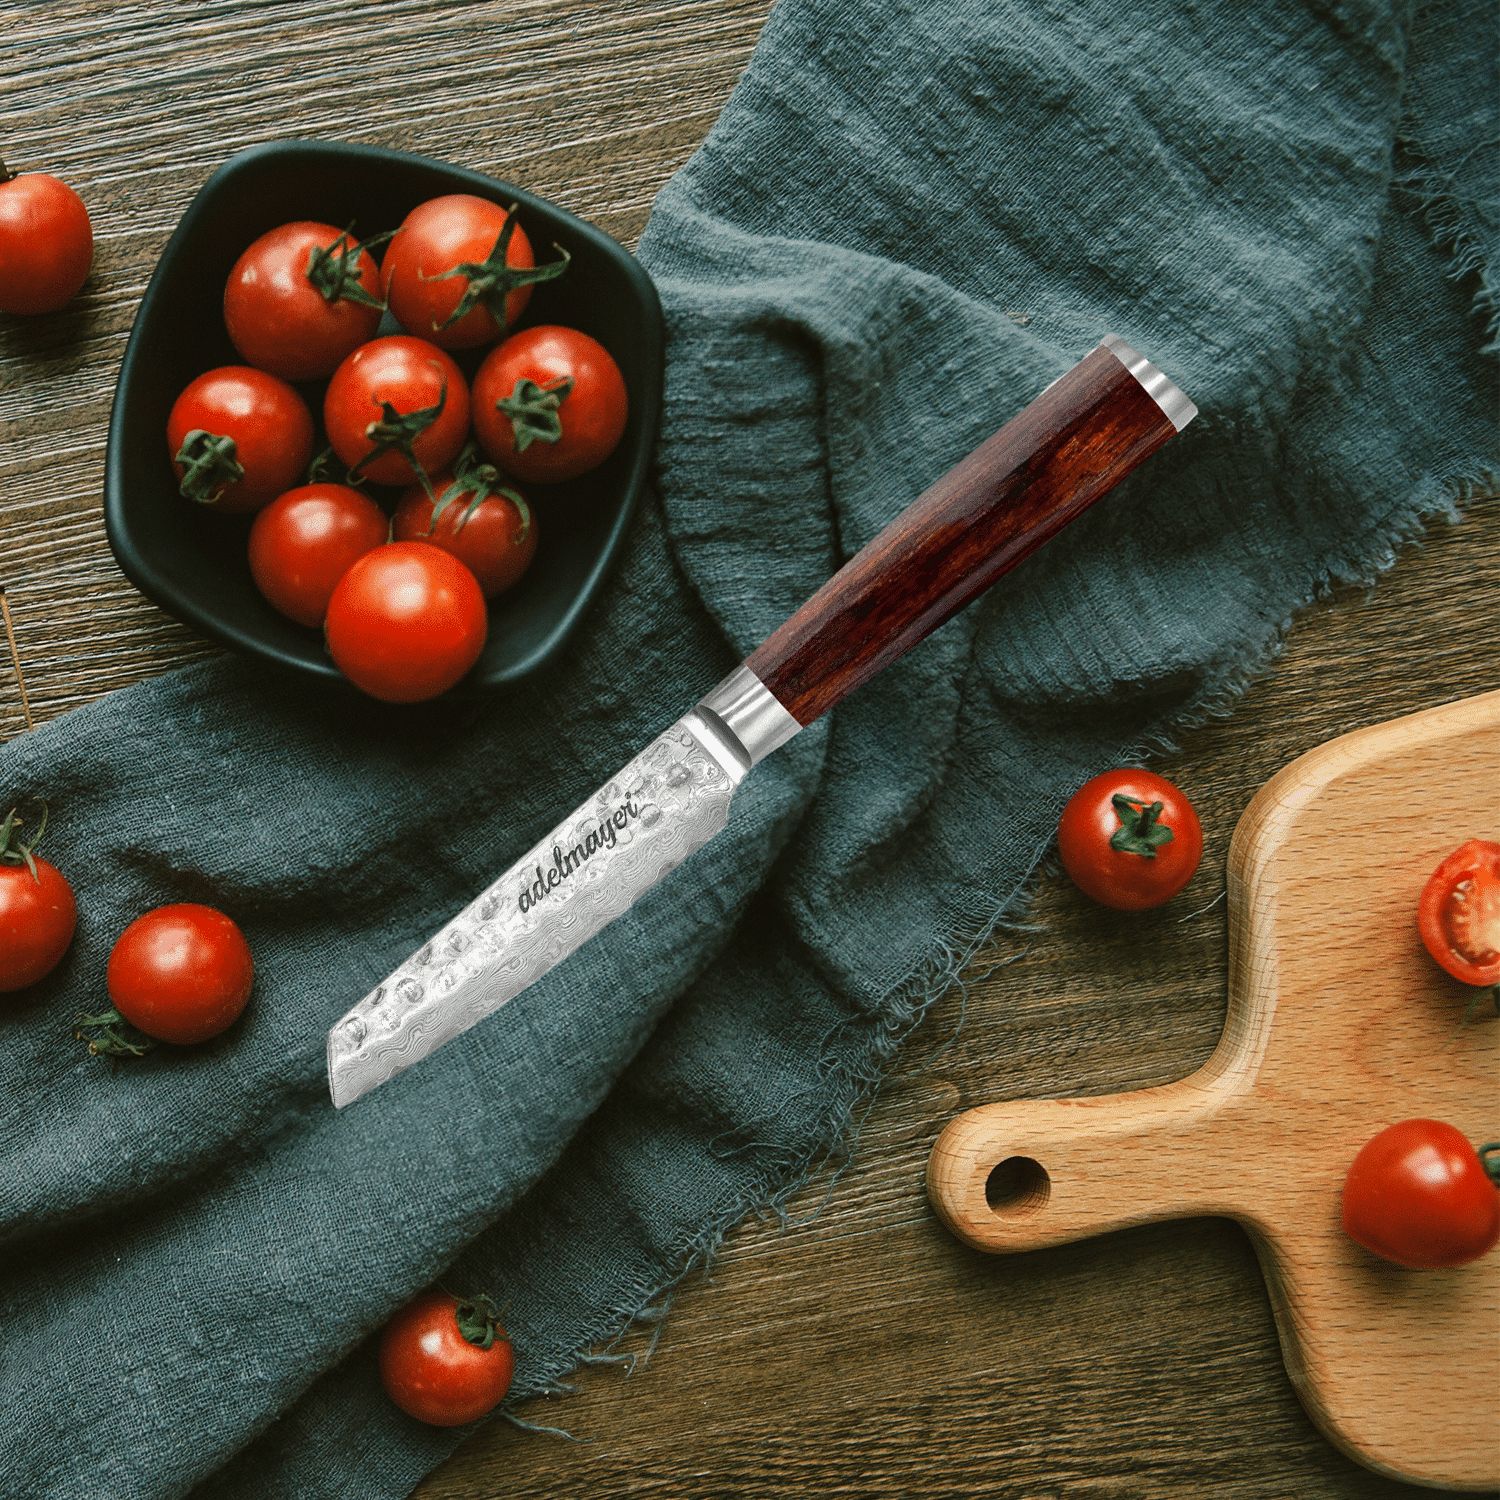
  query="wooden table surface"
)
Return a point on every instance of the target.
[{"x": 860, "y": 1350}]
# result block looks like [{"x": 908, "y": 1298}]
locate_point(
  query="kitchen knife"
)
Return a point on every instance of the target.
[{"x": 1044, "y": 468}]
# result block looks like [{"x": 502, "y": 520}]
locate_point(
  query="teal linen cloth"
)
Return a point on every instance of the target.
[{"x": 911, "y": 216}]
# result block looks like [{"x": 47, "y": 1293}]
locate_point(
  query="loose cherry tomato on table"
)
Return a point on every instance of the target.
[
  {"x": 397, "y": 409},
  {"x": 46, "y": 242},
  {"x": 1130, "y": 839},
  {"x": 1458, "y": 913},
  {"x": 238, "y": 438},
  {"x": 549, "y": 404},
  {"x": 304, "y": 541},
  {"x": 406, "y": 622},
  {"x": 37, "y": 909},
  {"x": 1420, "y": 1195},
  {"x": 181, "y": 973},
  {"x": 459, "y": 271},
  {"x": 302, "y": 298},
  {"x": 483, "y": 521},
  {"x": 446, "y": 1360}
]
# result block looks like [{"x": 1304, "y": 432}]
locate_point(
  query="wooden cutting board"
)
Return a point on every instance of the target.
[{"x": 1339, "y": 1024}]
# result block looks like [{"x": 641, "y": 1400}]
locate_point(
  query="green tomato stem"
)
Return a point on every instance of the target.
[
  {"x": 492, "y": 280},
  {"x": 472, "y": 476},
  {"x": 209, "y": 466},
  {"x": 479, "y": 1321},
  {"x": 1139, "y": 831},
  {"x": 400, "y": 431},
  {"x": 533, "y": 410},
  {"x": 333, "y": 269},
  {"x": 1489, "y": 1157},
  {"x": 115, "y": 1037},
  {"x": 21, "y": 853}
]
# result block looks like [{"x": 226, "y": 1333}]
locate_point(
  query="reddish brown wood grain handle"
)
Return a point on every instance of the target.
[{"x": 1043, "y": 469}]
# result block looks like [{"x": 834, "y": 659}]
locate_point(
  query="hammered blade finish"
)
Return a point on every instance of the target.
[{"x": 667, "y": 802}]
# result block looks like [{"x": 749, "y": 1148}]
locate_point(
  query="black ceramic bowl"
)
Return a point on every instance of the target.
[{"x": 192, "y": 560}]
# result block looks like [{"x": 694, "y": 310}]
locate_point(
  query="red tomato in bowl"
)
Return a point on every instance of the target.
[
  {"x": 549, "y": 404},
  {"x": 37, "y": 910},
  {"x": 1420, "y": 1195},
  {"x": 397, "y": 408},
  {"x": 484, "y": 523},
  {"x": 181, "y": 973},
  {"x": 459, "y": 271},
  {"x": 46, "y": 243},
  {"x": 1130, "y": 839},
  {"x": 301, "y": 299},
  {"x": 238, "y": 438},
  {"x": 406, "y": 622},
  {"x": 304, "y": 541},
  {"x": 446, "y": 1361},
  {"x": 1458, "y": 913}
]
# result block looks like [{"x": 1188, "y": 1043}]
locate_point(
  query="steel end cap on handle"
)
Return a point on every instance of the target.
[{"x": 1176, "y": 407}]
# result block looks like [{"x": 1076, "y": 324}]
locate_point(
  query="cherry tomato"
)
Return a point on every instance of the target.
[
  {"x": 180, "y": 973},
  {"x": 446, "y": 1361},
  {"x": 37, "y": 909},
  {"x": 238, "y": 438},
  {"x": 1130, "y": 839},
  {"x": 549, "y": 404},
  {"x": 46, "y": 242},
  {"x": 304, "y": 541},
  {"x": 302, "y": 298},
  {"x": 459, "y": 271},
  {"x": 398, "y": 407},
  {"x": 484, "y": 523},
  {"x": 1458, "y": 914},
  {"x": 406, "y": 622},
  {"x": 1420, "y": 1195}
]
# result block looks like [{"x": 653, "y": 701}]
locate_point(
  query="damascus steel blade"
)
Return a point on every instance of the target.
[{"x": 641, "y": 824}]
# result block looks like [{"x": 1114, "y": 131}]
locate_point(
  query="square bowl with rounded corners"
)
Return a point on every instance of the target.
[{"x": 192, "y": 561}]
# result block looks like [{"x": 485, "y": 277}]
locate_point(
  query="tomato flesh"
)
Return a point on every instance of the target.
[
  {"x": 1418, "y": 1195},
  {"x": 567, "y": 371},
  {"x": 406, "y": 622},
  {"x": 37, "y": 917},
  {"x": 435, "y": 1374},
  {"x": 494, "y": 540},
  {"x": 304, "y": 541},
  {"x": 181, "y": 973},
  {"x": 276, "y": 317},
  {"x": 1458, "y": 914},
  {"x": 46, "y": 244},
  {"x": 1091, "y": 826}
]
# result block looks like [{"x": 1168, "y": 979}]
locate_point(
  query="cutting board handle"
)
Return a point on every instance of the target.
[
  {"x": 1043, "y": 469},
  {"x": 1036, "y": 1172}
]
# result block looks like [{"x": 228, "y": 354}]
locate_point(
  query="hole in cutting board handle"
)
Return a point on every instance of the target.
[{"x": 1018, "y": 1188}]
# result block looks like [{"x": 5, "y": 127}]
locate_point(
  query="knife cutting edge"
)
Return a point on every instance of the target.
[{"x": 1043, "y": 469}]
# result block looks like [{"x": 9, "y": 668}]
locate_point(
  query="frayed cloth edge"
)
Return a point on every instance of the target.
[{"x": 1452, "y": 229}]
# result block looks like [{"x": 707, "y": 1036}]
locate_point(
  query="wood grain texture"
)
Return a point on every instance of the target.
[
  {"x": 1338, "y": 1025},
  {"x": 991, "y": 511},
  {"x": 862, "y": 1350}
]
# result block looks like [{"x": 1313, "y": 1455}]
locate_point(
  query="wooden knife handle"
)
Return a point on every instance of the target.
[{"x": 1044, "y": 468}]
